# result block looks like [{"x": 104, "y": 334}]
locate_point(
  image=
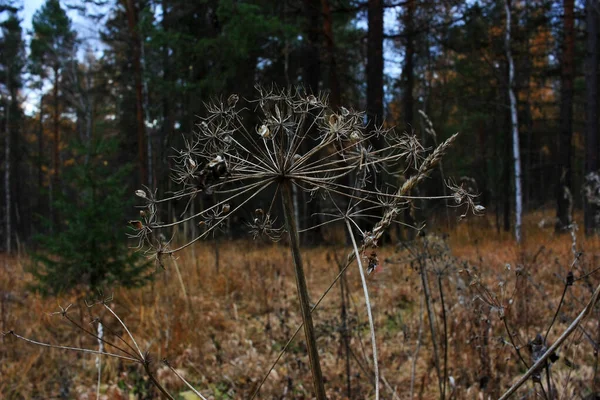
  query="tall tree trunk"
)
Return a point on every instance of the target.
[
  {"x": 514, "y": 128},
  {"x": 408, "y": 100},
  {"x": 132, "y": 24},
  {"x": 7, "y": 160},
  {"x": 312, "y": 62},
  {"x": 56, "y": 148},
  {"x": 375, "y": 62},
  {"x": 40, "y": 160},
  {"x": 311, "y": 77},
  {"x": 529, "y": 153},
  {"x": 506, "y": 186},
  {"x": 408, "y": 70},
  {"x": 334, "y": 84},
  {"x": 563, "y": 194},
  {"x": 592, "y": 209},
  {"x": 167, "y": 107}
]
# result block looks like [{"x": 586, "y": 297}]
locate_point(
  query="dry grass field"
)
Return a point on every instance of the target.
[{"x": 225, "y": 330}]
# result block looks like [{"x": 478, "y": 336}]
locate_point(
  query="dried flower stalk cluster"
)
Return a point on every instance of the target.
[{"x": 298, "y": 140}]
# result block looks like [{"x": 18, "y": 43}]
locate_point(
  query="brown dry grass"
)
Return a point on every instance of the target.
[{"x": 240, "y": 318}]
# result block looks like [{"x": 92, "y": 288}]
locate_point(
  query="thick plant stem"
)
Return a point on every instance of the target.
[{"x": 309, "y": 330}]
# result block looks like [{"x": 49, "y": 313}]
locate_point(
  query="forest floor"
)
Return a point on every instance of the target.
[{"x": 223, "y": 332}]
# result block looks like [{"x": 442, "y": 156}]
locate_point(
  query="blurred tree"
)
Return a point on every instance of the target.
[
  {"x": 516, "y": 153},
  {"x": 334, "y": 84},
  {"x": 12, "y": 62},
  {"x": 591, "y": 207},
  {"x": 375, "y": 62},
  {"x": 312, "y": 49},
  {"x": 91, "y": 251},
  {"x": 564, "y": 198},
  {"x": 53, "y": 47},
  {"x": 451, "y": 55},
  {"x": 408, "y": 73}
]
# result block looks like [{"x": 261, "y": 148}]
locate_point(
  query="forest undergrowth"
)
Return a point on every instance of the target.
[{"x": 488, "y": 298}]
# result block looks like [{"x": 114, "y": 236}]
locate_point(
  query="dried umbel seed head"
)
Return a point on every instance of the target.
[
  {"x": 142, "y": 213},
  {"x": 215, "y": 161},
  {"x": 140, "y": 193},
  {"x": 225, "y": 157},
  {"x": 355, "y": 136},
  {"x": 232, "y": 100},
  {"x": 135, "y": 224},
  {"x": 264, "y": 132},
  {"x": 333, "y": 120}
]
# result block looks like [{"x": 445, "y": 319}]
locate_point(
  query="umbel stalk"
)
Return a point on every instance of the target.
[{"x": 309, "y": 330}]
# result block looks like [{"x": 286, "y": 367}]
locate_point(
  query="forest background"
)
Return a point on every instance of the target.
[
  {"x": 140, "y": 73},
  {"x": 99, "y": 108}
]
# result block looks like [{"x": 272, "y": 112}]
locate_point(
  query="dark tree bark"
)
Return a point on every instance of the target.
[
  {"x": 167, "y": 107},
  {"x": 591, "y": 210},
  {"x": 311, "y": 77},
  {"x": 408, "y": 70},
  {"x": 7, "y": 169},
  {"x": 408, "y": 100},
  {"x": 563, "y": 194},
  {"x": 506, "y": 191},
  {"x": 55, "y": 145},
  {"x": 136, "y": 49},
  {"x": 334, "y": 84},
  {"x": 56, "y": 127},
  {"x": 506, "y": 187},
  {"x": 375, "y": 62},
  {"x": 40, "y": 160},
  {"x": 312, "y": 60}
]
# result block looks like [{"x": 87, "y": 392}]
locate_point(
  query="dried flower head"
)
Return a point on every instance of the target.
[{"x": 297, "y": 141}]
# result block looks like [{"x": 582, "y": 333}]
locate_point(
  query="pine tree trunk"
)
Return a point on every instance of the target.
[
  {"x": 312, "y": 64},
  {"x": 408, "y": 70},
  {"x": 592, "y": 210},
  {"x": 7, "y": 159},
  {"x": 563, "y": 186},
  {"x": 408, "y": 100},
  {"x": 167, "y": 107},
  {"x": 375, "y": 62},
  {"x": 311, "y": 77},
  {"x": 514, "y": 128},
  {"x": 334, "y": 84},
  {"x": 40, "y": 160},
  {"x": 56, "y": 148},
  {"x": 132, "y": 23}
]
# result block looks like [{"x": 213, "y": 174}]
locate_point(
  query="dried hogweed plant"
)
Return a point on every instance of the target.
[{"x": 297, "y": 144}]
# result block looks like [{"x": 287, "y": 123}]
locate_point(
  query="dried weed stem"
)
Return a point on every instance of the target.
[
  {"x": 542, "y": 360},
  {"x": 368, "y": 305},
  {"x": 303, "y": 296}
]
